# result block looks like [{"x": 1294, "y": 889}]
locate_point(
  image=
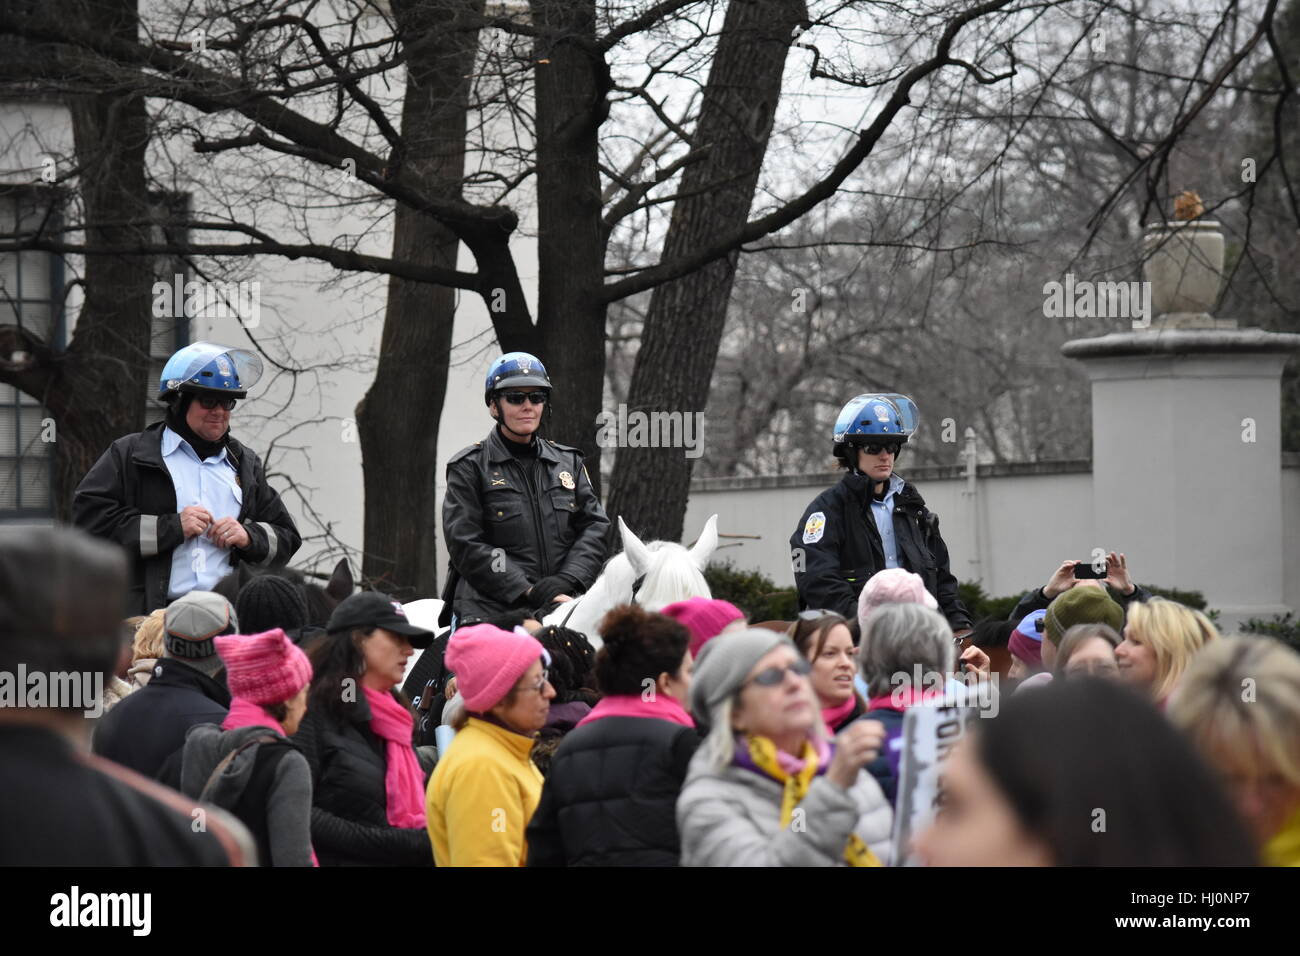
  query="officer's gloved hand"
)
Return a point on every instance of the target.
[{"x": 543, "y": 592}]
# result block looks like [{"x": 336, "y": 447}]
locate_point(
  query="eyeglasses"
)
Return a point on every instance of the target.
[
  {"x": 210, "y": 402},
  {"x": 875, "y": 448},
  {"x": 773, "y": 676},
  {"x": 518, "y": 398},
  {"x": 539, "y": 686}
]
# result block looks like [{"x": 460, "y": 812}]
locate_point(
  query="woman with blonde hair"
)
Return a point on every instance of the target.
[
  {"x": 1160, "y": 637},
  {"x": 146, "y": 648},
  {"x": 1239, "y": 702}
]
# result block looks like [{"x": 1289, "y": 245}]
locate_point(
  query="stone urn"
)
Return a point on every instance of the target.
[{"x": 1183, "y": 261}]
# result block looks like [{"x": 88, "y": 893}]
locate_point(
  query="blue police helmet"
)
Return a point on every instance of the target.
[
  {"x": 512, "y": 370},
  {"x": 877, "y": 415},
  {"x": 208, "y": 367}
]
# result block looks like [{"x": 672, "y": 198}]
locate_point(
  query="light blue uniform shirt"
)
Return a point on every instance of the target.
[
  {"x": 883, "y": 512},
  {"x": 197, "y": 563}
]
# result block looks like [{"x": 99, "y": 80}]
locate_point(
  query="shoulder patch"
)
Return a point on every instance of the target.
[{"x": 814, "y": 527}]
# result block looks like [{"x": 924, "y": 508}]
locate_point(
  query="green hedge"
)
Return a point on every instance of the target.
[
  {"x": 758, "y": 596},
  {"x": 981, "y": 606},
  {"x": 1284, "y": 627},
  {"x": 753, "y": 592}
]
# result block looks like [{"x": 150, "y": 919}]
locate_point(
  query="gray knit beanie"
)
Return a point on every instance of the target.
[{"x": 725, "y": 662}]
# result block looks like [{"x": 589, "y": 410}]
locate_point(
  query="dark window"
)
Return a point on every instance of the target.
[{"x": 31, "y": 298}]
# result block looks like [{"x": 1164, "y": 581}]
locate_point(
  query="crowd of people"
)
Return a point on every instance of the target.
[
  {"x": 690, "y": 738},
  {"x": 1114, "y": 727}
]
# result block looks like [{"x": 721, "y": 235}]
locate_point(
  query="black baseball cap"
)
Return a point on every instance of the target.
[{"x": 376, "y": 609}]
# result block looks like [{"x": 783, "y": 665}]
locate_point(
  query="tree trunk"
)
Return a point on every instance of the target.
[
  {"x": 397, "y": 421},
  {"x": 97, "y": 392},
  {"x": 684, "y": 324},
  {"x": 570, "y": 104}
]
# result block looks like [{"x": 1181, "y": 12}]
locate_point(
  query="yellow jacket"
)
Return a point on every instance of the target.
[
  {"x": 481, "y": 796},
  {"x": 1284, "y": 848}
]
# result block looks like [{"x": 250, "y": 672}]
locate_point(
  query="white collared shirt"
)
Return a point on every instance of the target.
[{"x": 197, "y": 563}]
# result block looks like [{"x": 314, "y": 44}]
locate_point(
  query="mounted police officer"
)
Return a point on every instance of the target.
[
  {"x": 523, "y": 526},
  {"x": 873, "y": 519},
  {"x": 185, "y": 499}
]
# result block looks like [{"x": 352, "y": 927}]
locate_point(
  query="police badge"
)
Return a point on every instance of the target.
[{"x": 566, "y": 479}]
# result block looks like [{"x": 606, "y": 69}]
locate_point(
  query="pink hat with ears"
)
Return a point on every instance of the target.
[
  {"x": 265, "y": 668},
  {"x": 488, "y": 662},
  {"x": 892, "y": 586}
]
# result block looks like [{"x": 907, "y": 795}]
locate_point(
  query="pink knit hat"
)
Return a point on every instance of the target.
[
  {"x": 488, "y": 662},
  {"x": 893, "y": 586},
  {"x": 703, "y": 617},
  {"x": 265, "y": 668}
]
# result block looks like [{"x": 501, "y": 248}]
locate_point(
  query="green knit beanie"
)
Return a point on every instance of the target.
[{"x": 1081, "y": 605}]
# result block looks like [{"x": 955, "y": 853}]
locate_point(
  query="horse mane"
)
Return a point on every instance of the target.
[
  {"x": 671, "y": 577},
  {"x": 672, "y": 573}
]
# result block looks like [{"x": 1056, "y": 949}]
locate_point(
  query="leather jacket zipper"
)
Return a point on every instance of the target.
[{"x": 530, "y": 479}]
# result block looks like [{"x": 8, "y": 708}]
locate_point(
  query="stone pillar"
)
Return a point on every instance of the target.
[{"x": 1186, "y": 455}]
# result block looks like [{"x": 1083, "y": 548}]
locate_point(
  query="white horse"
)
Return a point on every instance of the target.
[
  {"x": 670, "y": 572},
  {"x": 667, "y": 573}
]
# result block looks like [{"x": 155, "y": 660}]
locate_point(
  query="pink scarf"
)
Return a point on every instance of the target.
[
  {"x": 832, "y": 716},
  {"x": 404, "y": 782},
  {"x": 245, "y": 713},
  {"x": 789, "y": 763},
  {"x": 907, "y": 697},
  {"x": 633, "y": 705}
]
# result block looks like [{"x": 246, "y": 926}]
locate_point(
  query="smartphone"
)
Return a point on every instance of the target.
[{"x": 1084, "y": 571}]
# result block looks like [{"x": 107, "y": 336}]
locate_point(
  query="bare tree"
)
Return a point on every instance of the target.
[{"x": 630, "y": 150}]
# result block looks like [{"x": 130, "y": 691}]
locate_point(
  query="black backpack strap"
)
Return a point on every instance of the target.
[{"x": 229, "y": 758}]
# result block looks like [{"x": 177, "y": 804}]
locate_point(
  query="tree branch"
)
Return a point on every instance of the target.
[{"x": 822, "y": 190}]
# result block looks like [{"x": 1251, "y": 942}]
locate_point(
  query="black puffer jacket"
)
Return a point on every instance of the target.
[
  {"x": 349, "y": 814},
  {"x": 129, "y": 498},
  {"x": 610, "y": 797},
  {"x": 509, "y": 523},
  {"x": 146, "y": 730},
  {"x": 836, "y": 554}
]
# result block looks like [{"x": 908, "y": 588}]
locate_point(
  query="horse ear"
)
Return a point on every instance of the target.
[
  {"x": 638, "y": 555},
  {"x": 707, "y": 544},
  {"x": 340, "y": 583}
]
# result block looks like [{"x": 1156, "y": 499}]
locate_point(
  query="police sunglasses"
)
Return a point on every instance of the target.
[
  {"x": 518, "y": 398},
  {"x": 875, "y": 448},
  {"x": 210, "y": 402}
]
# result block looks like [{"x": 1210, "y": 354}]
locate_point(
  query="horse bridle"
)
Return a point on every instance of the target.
[{"x": 636, "y": 586}]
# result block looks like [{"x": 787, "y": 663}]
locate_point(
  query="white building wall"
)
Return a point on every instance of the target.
[
  {"x": 1291, "y": 530},
  {"x": 1009, "y": 536}
]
